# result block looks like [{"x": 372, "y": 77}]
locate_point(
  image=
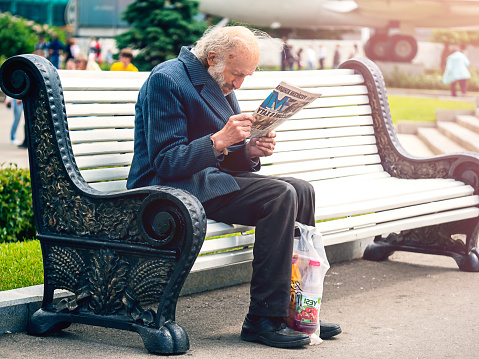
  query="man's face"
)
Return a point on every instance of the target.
[{"x": 230, "y": 73}]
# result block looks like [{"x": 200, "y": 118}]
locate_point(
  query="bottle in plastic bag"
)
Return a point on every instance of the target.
[
  {"x": 308, "y": 300},
  {"x": 295, "y": 282}
]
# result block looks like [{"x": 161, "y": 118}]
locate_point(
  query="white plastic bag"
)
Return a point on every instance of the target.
[{"x": 310, "y": 264}]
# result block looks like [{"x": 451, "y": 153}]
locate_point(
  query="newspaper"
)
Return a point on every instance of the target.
[{"x": 283, "y": 102}]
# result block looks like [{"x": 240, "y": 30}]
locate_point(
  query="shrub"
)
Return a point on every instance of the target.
[
  {"x": 16, "y": 211},
  {"x": 429, "y": 81}
]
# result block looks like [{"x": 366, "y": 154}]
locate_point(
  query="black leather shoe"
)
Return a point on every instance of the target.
[
  {"x": 328, "y": 330},
  {"x": 272, "y": 332}
]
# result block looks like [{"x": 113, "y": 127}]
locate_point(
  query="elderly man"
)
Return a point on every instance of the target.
[{"x": 190, "y": 134}]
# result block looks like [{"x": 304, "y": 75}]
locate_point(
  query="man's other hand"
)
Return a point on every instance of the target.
[{"x": 262, "y": 146}]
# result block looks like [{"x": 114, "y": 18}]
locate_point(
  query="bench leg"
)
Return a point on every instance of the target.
[
  {"x": 44, "y": 322},
  {"x": 115, "y": 289},
  {"x": 442, "y": 239}
]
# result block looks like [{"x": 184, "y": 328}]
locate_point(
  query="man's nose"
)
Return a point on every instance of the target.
[{"x": 237, "y": 82}]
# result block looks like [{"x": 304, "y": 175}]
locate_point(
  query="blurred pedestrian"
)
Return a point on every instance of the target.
[
  {"x": 81, "y": 61},
  {"x": 42, "y": 46},
  {"x": 92, "y": 65},
  {"x": 321, "y": 56},
  {"x": 287, "y": 58},
  {"x": 109, "y": 57},
  {"x": 298, "y": 59},
  {"x": 336, "y": 57},
  {"x": 355, "y": 52},
  {"x": 71, "y": 50},
  {"x": 125, "y": 57},
  {"x": 55, "y": 49},
  {"x": 311, "y": 58},
  {"x": 457, "y": 71},
  {"x": 70, "y": 64},
  {"x": 17, "y": 106}
]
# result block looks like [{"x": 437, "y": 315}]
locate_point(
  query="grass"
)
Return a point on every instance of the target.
[
  {"x": 422, "y": 109},
  {"x": 21, "y": 264}
]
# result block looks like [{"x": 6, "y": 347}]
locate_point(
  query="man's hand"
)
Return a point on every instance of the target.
[
  {"x": 262, "y": 146},
  {"x": 236, "y": 129}
]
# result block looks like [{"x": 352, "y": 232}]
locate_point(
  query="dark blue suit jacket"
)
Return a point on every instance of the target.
[{"x": 179, "y": 107}]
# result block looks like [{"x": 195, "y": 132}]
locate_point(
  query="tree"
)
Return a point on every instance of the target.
[
  {"x": 159, "y": 28},
  {"x": 16, "y": 36}
]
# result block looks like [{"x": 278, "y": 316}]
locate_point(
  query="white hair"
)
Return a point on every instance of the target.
[{"x": 222, "y": 41}]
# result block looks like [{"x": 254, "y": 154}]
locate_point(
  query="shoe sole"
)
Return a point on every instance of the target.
[
  {"x": 259, "y": 339},
  {"x": 330, "y": 333}
]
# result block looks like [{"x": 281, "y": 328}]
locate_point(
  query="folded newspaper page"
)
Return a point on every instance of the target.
[{"x": 281, "y": 104}]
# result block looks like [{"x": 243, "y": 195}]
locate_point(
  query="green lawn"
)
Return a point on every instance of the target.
[
  {"x": 21, "y": 264},
  {"x": 407, "y": 108}
]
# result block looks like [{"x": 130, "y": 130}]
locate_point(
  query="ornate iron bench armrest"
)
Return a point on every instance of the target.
[
  {"x": 397, "y": 162},
  {"x": 118, "y": 253}
]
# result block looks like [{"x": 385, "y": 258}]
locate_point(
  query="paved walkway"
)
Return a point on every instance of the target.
[
  {"x": 412, "y": 306},
  {"x": 10, "y": 153}
]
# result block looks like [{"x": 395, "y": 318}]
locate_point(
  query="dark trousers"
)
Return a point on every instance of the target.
[{"x": 272, "y": 204}]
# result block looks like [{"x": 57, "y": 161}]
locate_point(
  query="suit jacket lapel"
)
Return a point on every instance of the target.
[{"x": 209, "y": 89}]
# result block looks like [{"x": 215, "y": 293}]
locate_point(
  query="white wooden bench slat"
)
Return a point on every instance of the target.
[
  {"x": 110, "y": 186},
  {"x": 399, "y": 213},
  {"x": 107, "y": 122},
  {"x": 100, "y": 96},
  {"x": 316, "y": 154},
  {"x": 77, "y": 74},
  {"x": 382, "y": 204},
  {"x": 218, "y": 229},
  {"x": 303, "y": 82},
  {"x": 111, "y": 83},
  {"x": 102, "y": 135},
  {"x": 324, "y": 133},
  {"x": 401, "y": 225},
  {"x": 221, "y": 244},
  {"x": 100, "y": 122},
  {"x": 383, "y": 188},
  {"x": 282, "y": 146},
  {"x": 335, "y": 173},
  {"x": 287, "y": 169},
  {"x": 105, "y": 174},
  {"x": 102, "y": 84},
  {"x": 294, "y": 74},
  {"x": 100, "y": 109},
  {"x": 78, "y": 97},
  {"x": 104, "y": 160},
  {"x": 322, "y": 102},
  {"x": 261, "y": 94},
  {"x": 330, "y": 122},
  {"x": 222, "y": 259},
  {"x": 95, "y": 148}
]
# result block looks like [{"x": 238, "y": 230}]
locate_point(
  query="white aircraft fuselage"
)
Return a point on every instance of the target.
[{"x": 382, "y": 15}]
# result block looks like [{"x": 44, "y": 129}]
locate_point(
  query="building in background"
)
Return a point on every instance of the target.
[
  {"x": 82, "y": 18},
  {"x": 51, "y": 12}
]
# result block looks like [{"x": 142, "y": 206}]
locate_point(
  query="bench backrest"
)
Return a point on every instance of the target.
[{"x": 332, "y": 138}]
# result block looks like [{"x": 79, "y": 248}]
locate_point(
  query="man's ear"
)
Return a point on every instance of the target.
[{"x": 212, "y": 58}]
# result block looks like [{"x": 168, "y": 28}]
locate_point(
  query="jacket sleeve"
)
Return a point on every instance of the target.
[{"x": 172, "y": 154}]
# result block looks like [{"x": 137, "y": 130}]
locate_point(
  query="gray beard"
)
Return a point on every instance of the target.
[{"x": 216, "y": 72}]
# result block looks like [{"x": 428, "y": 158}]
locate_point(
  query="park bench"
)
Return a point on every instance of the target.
[{"x": 125, "y": 254}]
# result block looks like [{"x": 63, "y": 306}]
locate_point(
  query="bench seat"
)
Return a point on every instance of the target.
[{"x": 331, "y": 143}]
